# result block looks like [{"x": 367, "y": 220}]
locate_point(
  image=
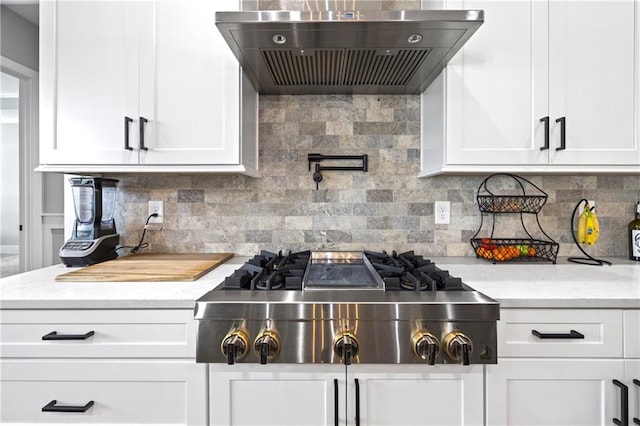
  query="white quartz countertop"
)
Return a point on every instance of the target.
[
  {"x": 514, "y": 285},
  {"x": 38, "y": 290},
  {"x": 544, "y": 285}
]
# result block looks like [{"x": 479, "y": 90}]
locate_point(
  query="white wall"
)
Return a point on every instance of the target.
[{"x": 18, "y": 39}]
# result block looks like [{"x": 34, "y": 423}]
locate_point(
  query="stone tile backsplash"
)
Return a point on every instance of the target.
[{"x": 385, "y": 208}]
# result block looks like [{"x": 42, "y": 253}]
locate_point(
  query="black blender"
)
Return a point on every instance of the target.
[{"x": 94, "y": 238}]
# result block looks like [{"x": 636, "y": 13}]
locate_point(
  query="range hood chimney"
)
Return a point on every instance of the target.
[{"x": 359, "y": 52}]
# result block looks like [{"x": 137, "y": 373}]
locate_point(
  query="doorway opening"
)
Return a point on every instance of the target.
[
  {"x": 10, "y": 261},
  {"x": 36, "y": 224}
]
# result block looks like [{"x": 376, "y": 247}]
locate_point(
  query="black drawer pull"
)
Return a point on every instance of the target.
[
  {"x": 55, "y": 336},
  {"x": 52, "y": 407},
  {"x": 624, "y": 404},
  {"x": 571, "y": 335}
]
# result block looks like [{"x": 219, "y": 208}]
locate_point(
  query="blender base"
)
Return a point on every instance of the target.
[{"x": 89, "y": 252}]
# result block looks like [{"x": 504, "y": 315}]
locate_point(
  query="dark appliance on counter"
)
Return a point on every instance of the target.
[
  {"x": 342, "y": 308},
  {"x": 94, "y": 238}
]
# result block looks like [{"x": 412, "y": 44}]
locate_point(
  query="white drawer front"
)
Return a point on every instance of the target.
[
  {"x": 632, "y": 334},
  {"x": 110, "y": 333},
  {"x": 602, "y": 331},
  {"x": 144, "y": 392}
]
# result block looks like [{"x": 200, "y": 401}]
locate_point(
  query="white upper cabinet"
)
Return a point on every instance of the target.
[
  {"x": 88, "y": 71},
  {"x": 592, "y": 80},
  {"x": 535, "y": 65},
  {"x": 142, "y": 86}
]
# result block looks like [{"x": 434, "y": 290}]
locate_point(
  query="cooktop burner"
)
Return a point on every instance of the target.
[
  {"x": 270, "y": 271},
  {"x": 308, "y": 270}
]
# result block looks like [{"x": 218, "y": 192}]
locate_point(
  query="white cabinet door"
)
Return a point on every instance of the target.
[
  {"x": 591, "y": 81},
  {"x": 553, "y": 392},
  {"x": 88, "y": 72},
  {"x": 316, "y": 394},
  {"x": 274, "y": 395},
  {"x": 189, "y": 85},
  {"x": 419, "y": 395},
  {"x": 632, "y": 362},
  {"x": 632, "y": 380},
  {"x": 496, "y": 87}
]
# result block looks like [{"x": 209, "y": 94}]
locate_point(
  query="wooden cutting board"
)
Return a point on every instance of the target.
[{"x": 149, "y": 267}]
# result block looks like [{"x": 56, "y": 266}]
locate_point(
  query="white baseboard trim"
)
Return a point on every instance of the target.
[{"x": 10, "y": 249}]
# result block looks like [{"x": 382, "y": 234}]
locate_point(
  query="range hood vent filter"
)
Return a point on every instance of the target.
[
  {"x": 337, "y": 52},
  {"x": 338, "y": 67}
]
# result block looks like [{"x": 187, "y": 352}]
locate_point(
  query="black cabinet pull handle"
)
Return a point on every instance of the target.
[
  {"x": 357, "y": 402},
  {"x": 127, "y": 121},
  {"x": 571, "y": 335},
  {"x": 55, "y": 336},
  {"x": 637, "y": 383},
  {"x": 335, "y": 402},
  {"x": 143, "y": 122},
  {"x": 52, "y": 407},
  {"x": 624, "y": 404},
  {"x": 563, "y": 133},
  {"x": 545, "y": 120}
]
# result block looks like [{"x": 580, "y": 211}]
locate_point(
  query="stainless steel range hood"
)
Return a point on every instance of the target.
[{"x": 365, "y": 52}]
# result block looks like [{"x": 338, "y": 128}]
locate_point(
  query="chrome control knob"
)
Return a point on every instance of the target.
[
  {"x": 458, "y": 346},
  {"x": 267, "y": 346},
  {"x": 235, "y": 345},
  {"x": 426, "y": 346},
  {"x": 346, "y": 346}
]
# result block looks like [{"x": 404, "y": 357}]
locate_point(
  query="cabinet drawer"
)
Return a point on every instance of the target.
[
  {"x": 559, "y": 332},
  {"x": 131, "y": 392},
  {"x": 101, "y": 333},
  {"x": 632, "y": 334}
]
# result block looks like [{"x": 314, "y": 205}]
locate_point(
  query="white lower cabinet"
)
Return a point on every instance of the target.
[
  {"x": 632, "y": 380},
  {"x": 565, "y": 367},
  {"x": 419, "y": 395},
  {"x": 632, "y": 362},
  {"x": 363, "y": 394},
  {"x": 103, "y": 391},
  {"x": 273, "y": 395},
  {"x": 553, "y": 391},
  {"x": 100, "y": 366}
]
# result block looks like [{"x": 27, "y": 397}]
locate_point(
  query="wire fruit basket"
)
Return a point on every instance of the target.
[{"x": 527, "y": 199}]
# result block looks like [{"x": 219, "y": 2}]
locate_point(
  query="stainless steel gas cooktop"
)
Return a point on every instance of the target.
[{"x": 345, "y": 307}]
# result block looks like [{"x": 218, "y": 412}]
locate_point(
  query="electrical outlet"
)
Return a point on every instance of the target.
[
  {"x": 156, "y": 207},
  {"x": 443, "y": 212},
  {"x": 592, "y": 203}
]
